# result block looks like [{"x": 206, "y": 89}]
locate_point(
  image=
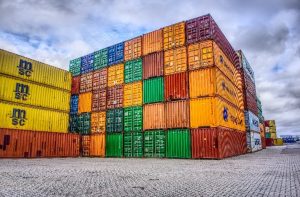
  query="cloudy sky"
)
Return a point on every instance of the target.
[{"x": 55, "y": 31}]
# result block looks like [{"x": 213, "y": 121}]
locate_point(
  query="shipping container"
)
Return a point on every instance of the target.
[
  {"x": 215, "y": 112},
  {"x": 114, "y": 145},
  {"x": 217, "y": 143},
  {"x": 116, "y": 53},
  {"x": 99, "y": 100},
  {"x": 152, "y": 42},
  {"x": 115, "y": 97},
  {"x": 28, "y": 93},
  {"x": 133, "y": 119},
  {"x": 271, "y": 123},
  {"x": 33, "y": 144},
  {"x": 84, "y": 123},
  {"x": 100, "y": 59},
  {"x": 250, "y": 103},
  {"x": 98, "y": 120},
  {"x": 252, "y": 122},
  {"x": 268, "y": 135},
  {"x": 253, "y": 141},
  {"x": 75, "y": 85},
  {"x": 133, "y": 48},
  {"x": 115, "y": 75},
  {"x": 175, "y": 60},
  {"x": 269, "y": 142},
  {"x": 85, "y": 102},
  {"x": 133, "y": 95},
  {"x": 263, "y": 142},
  {"x": 153, "y": 90},
  {"x": 273, "y": 135},
  {"x": 176, "y": 86},
  {"x": 153, "y": 65},
  {"x": 74, "y": 104},
  {"x": 87, "y": 63},
  {"x": 177, "y": 114},
  {"x": 133, "y": 70},
  {"x": 174, "y": 36},
  {"x": 249, "y": 84},
  {"x": 86, "y": 82},
  {"x": 245, "y": 65},
  {"x": 32, "y": 70},
  {"x": 85, "y": 145},
  {"x": 100, "y": 79},
  {"x": 178, "y": 143},
  {"x": 133, "y": 144},
  {"x": 155, "y": 143},
  {"x": 15, "y": 116},
  {"x": 278, "y": 142},
  {"x": 73, "y": 123},
  {"x": 154, "y": 116},
  {"x": 114, "y": 120},
  {"x": 97, "y": 145},
  {"x": 74, "y": 67}
]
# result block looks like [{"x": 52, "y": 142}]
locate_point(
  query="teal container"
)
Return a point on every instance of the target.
[
  {"x": 84, "y": 123},
  {"x": 73, "y": 124},
  {"x": 268, "y": 135},
  {"x": 100, "y": 59},
  {"x": 179, "y": 143},
  {"x": 133, "y": 70},
  {"x": 153, "y": 90},
  {"x": 75, "y": 66},
  {"x": 155, "y": 143},
  {"x": 114, "y": 145},
  {"x": 133, "y": 119},
  {"x": 133, "y": 144},
  {"x": 114, "y": 120}
]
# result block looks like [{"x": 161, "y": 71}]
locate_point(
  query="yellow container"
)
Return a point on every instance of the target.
[
  {"x": 273, "y": 135},
  {"x": 214, "y": 112},
  {"x": 278, "y": 142},
  {"x": 175, "y": 61},
  {"x": 98, "y": 120},
  {"x": 97, "y": 145},
  {"x": 211, "y": 82},
  {"x": 25, "y": 68},
  {"x": 26, "y": 92},
  {"x": 133, "y": 95},
  {"x": 85, "y": 102},
  {"x": 115, "y": 75},
  {"x": 174, "y": 36},
  {"x": 15, "y": 116}
]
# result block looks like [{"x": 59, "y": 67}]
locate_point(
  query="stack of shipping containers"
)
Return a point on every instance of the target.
[
  {"x": 261, "y": 119},
  {"x": 34, "y": 103},
  {"x": 271, "y": 134}
]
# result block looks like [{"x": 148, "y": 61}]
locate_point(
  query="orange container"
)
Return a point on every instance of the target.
[
  {"x": 99, "y": 79},
  {"x": 153, "y": 42},
  {"x": 85, "y": 102},
  {"x": 98, "y": 120},
  {"x": 174, "y": 36},
  {"x": 177, "y": 114},
  {"x": 175, "y": 61},
  {"x": 154, "y": 116},
  {"x": 97, "y": 145},
  {"x": 115, "y": 75},
  {"x": 86, "y": 82},
  {"x": 133, "y": 48},
  {"x": 133, "y": 94}
]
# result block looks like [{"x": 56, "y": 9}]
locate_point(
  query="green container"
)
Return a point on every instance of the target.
[
  {"x": 84, "y": 123},
  {"x": 75, "y": 66},
  {"x": 133, "y": 119},
  {"x": 153, "y": 90},
  {"x": 133, "y": 144},
  {"x": 179, "y": 143},
  {"x": 133, "y": 70},
  {"x": 100, "y": 59},
  {"x": 73, "y": 125},
  {"x": 155, "y": 143},
  {"x": 114, "y": 145},
  {"x": 114, "y": 120},
  {"x": 268, "y": 135}
]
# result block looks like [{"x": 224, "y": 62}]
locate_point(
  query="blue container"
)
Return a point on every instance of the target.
[
  {"x": 74, "y": 104},
  {"x": 116, "y": 53},
  {"x": 252, "y": 121},
  {"x": 87, "y": 63}
]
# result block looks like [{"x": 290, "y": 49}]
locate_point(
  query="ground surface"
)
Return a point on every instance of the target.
[{"x": 271, "y": 172}]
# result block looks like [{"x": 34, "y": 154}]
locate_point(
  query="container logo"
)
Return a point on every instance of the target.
[
  {"x": 21, "y": 91},
  {"x": 226, "y": 88},
  {"x": 255, "y": 123},
  {"x": 18, "y": 117},
  {"x": 225, "y": 114},
  {"x": 25, "y": 68}
]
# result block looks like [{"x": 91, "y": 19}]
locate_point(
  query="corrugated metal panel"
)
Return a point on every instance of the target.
[
  {"x": 115, "y": 96},
  {"x": 86, "y": 82},
  {"x": 175, "y": 60},
  {"x": 25, "y": 92},
  {"x": 25, "y": 68},
  {"x": 73, "y": 123},
  {"x": 250, "y": 102},
  {"x": 176, "y": 86},
  {"x": 84, "y": 123},
  {"x": 85, "y": 102},
  {"x": 33, "y": 144},
  {"x": 133, "y": 48},
  {"x": 116, "y": 53},
  {"x": 153, "y": 90},
  {"x": 252, "y": 122},
  {"x": 245, "y": 65},
  {"x": 133, "y": 119},
  {"x": 97, "y": 145},
  {"x": 75, "y": 85},
  {"x": 133, "y": 144},
  {"x": 154, "y": 116},
  {"x": 98, "y": 120},
  {"x": 87, "y": 63},
  {"x": 155, "y": 143},
  {"x": 153, "y": 65},
  {"x": 100, "y": 59},
  {"x": 99, "y": 100},
  {"x": 178, "y": 143},
  {"x": 86, "y": 145},
  {"x": 174, "y": 35},
  {"x": 249, "y": 84},
  {"x": 14, "y": 116},
  {"x": 133, "y": 94},
  {"x": 114, "y": 145},
  {"x": 177, "y": 114},
  {"x": 133, "y": 70},
  {"x": 153, "y": 42},
  {"x": 115, "y": 75},
  {"x": 214, "y": 112},
  {"x": 74, "y": 67},
  {"x": 100, "y": 79},
  {"x": 74, "y": 104},
  {"x": 253, "y": 141},
  {"x": 114, "y": 120}
]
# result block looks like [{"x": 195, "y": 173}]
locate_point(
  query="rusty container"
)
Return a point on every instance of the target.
[
  {"x": 99, "y": 79},
  {"x": 153, "y": 42},
  {"x": 99, "y": 100},
  {"x": 75, "y": 85},
  {"x": 86, "y": 82},
  {"x": 177, "y": 114},
  {"x": 154, "y": 116},
  {"x": 176, "y": 86},
  {"x": 153, "y": 65},
  {"x": 115, "y": 97}
]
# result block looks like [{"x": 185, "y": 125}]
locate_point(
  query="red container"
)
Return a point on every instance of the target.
[
  {"x": 250, "y": 102},
  {"x": 99, "y": 100},
  {"x": 153, "y": 65},
  {"x": 115, "y": 97},
  {"x": 100, "y": 79},
  {"x": 249, "y": 84},
  {"x": 269, "y": 142},
  {"x": 176, "y": 86},
  {"x": 217, "y": 143},
  {"x": 75, "y": 85},
  {"x": 34, "y": 144},
  {"x": 266, "y": 123},
  {"x": 177, "y": 114},
  {"x": 86, "y": 82},
  {"x": 263, "y": 142}
]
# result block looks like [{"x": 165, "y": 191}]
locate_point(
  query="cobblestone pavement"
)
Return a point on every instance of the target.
[{"x": 271, "y": 172}]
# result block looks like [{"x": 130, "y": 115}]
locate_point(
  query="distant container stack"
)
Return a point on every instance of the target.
[{"x": 271, "y": 134}]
